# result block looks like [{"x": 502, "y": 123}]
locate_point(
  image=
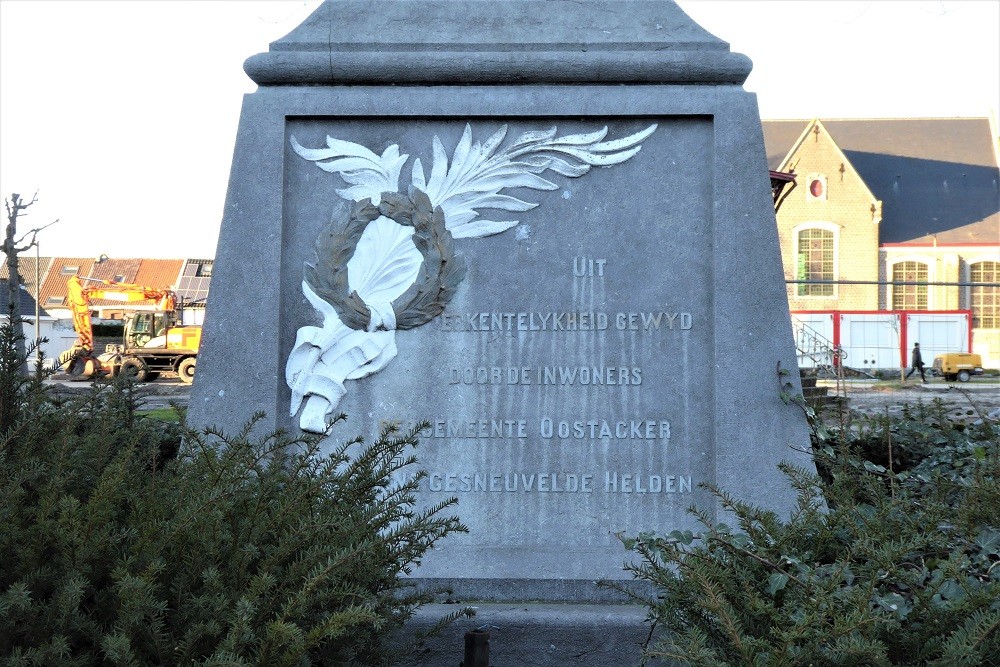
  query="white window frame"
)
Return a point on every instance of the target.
[
  {"x": 825, "y": 226},
  {"x": 969, "y": 261},
  {"x": 931, "y": 264}
]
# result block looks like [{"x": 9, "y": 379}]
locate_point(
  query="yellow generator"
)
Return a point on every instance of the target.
[{"x": 958, "y": 366}]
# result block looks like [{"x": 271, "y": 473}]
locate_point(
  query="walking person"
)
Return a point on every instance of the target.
[{"x": 916, "y": 363}]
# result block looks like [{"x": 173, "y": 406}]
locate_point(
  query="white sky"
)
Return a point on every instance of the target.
[{"x": 123, "y": 115}]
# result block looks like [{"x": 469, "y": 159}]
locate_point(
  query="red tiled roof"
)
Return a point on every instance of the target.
[
  {"x": 158, "y": 273},
  {"x": 54, "y": 282},
  {"x": 116, "y": 270}
]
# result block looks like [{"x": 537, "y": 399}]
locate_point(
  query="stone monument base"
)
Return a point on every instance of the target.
[
  {"x": 533, "y": 635},
  {"x": 587, "y": 358}
]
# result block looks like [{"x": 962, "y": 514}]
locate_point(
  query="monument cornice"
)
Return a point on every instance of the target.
[{"x": 519, "y": 41}]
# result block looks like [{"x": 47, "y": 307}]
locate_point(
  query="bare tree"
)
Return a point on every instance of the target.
[{"x": 12, "y": 245}]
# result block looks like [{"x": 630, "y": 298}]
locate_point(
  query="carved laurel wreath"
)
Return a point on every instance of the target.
[{"x": 439, "y": 276}]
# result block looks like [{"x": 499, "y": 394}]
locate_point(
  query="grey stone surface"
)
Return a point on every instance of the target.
[
  {"x": 684, "y": 232},
  {"x": 533, "y": 635},
  {"x": 685, "y": 226},
  {"x": 481, "y": 41}
]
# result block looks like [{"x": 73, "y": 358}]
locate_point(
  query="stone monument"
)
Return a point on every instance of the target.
[{"x": 546, "y": 229}]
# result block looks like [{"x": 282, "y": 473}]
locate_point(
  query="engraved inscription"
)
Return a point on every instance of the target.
[
  {"x": 566, "y": 321},
  {"x": 548, "y": 429},
  {"x": 477, "y": 428},
  {"x": 547, "y": 375},
  {"x": 611, "y": 481},
  {"x": 584, "y": 267},
  {"x": 511, "y": 482},
  {"x": 648, "y": 429}
]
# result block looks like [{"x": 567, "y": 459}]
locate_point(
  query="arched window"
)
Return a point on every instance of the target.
[
  {"x": 909, "y": 297},
  {"x": 985, "y": 301},
  {"x": 816, "y": 251}
]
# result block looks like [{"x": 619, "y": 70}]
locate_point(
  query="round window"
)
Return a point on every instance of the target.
[{"x": 816, "y": 188}]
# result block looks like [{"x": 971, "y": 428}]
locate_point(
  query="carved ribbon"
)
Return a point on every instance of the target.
[
  {"x": 384, "y": 266},
  {"x": 323, "y": 357}
]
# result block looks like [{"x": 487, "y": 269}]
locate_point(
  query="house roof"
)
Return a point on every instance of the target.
[
  {"x": 937, "y": 178},
  {"x": 158, "y": 273},
  {"x": 115, "y": 270},
  {"x": 26, "y": 267},
  {"x": 53, "y": 291},
  {"x": 196, "y": 276},
  {"x": 27, "y": 303}
]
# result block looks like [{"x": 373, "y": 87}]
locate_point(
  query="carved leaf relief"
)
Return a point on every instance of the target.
[
  {"x": 398, "y": 248},
  {"x": 477, "y": 173},
  {"x": 368, "y": 173},
  {"x": 385, "y": 262}
]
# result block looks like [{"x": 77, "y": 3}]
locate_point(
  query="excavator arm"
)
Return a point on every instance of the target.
[{"x": 80, "y": 297}]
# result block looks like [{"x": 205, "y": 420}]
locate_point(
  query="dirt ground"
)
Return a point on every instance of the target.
[
  {"x": 159, "y": 394},
  {"x": 966, "y": 401}
]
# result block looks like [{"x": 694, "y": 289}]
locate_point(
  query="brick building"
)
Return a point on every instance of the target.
[{"x": 892, "y": 200}]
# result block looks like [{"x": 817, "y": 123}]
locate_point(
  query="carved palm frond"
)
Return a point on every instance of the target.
[
  {"x": 368, "y": 174},
  {"x": 477, "y": 175}
]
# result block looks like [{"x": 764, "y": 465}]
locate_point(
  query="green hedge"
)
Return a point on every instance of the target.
[
  {"x": 128, "y": 541},
  {"x": 891, "y": 557}
]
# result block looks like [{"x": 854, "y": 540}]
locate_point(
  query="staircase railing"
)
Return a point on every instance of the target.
[
  {"x": 825, "y": 356},
  {"x": 813, "y": 346}
]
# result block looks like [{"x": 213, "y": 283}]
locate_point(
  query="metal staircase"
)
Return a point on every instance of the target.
[{"x": 812, "y": 346}]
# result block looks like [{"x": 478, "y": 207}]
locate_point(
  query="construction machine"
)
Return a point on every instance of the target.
[{"x": 153, "y": 342}]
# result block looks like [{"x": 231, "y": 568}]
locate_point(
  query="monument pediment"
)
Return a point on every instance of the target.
[{"x": 517, "y": 41}]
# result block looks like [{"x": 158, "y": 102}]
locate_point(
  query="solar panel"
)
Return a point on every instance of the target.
[{"x": 194, "y": 283}]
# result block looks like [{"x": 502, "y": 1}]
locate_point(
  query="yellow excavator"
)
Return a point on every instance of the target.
[{"x": 153, "y": 341}]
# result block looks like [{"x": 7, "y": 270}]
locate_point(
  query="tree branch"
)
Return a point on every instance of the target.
[
  {"x": 15, "y": 212},
  {"x": 33, "y": 233}
]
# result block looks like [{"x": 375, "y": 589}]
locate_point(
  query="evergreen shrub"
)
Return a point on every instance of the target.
[
  {"x": 131, "y": 541},
  {"x": 890, "y": 557}
]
